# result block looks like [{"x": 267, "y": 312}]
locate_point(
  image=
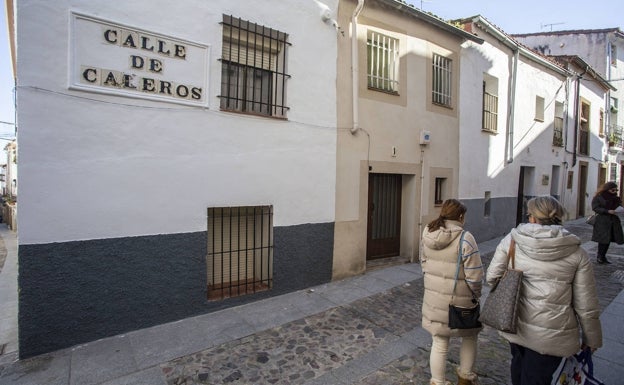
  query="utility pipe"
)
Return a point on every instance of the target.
[
  {"x": 577, "y": 114},
  {"x": 512, "y": 106},
  {"x": 354, "y": 66}
]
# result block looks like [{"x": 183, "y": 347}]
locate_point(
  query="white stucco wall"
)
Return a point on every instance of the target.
[
  {"x": 484, "y": 165},
  {"x": 482, "y": 154},
  {"x": 98, "y": 166}
]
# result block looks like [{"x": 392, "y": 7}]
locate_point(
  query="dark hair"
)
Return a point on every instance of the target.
[
  {"x": 452, "y": 209},
  {"x": 546, "y": 210},
  {"x": 606, "y": 187}
]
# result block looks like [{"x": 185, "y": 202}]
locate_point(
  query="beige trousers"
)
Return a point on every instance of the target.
[{"x": 439, "y": 351}]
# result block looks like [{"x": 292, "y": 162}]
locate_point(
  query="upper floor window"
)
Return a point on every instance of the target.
[
  {"x": 253, "y": 63},
  {"x": 558, "y": 125},
  {"x": 584, "y": 129},
  {"x": 490, "y": 104},
  {"x": 539, "y": 108},
  {"x": 383, "y": 62},
  {"x": 442, "y": 85},
  {"x": 613, "y": 54}
]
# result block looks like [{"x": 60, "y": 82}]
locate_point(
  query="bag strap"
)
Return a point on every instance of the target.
[
  {"x": 460, "y": 254},
  {"x": 512, "y": 253}
]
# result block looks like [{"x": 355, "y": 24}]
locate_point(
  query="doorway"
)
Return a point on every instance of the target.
[
  {"x": 384, "y": 216},
  {"x": 582, "y": 189}
]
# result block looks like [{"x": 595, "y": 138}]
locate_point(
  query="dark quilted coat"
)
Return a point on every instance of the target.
[{"x": 608, "y": 227}]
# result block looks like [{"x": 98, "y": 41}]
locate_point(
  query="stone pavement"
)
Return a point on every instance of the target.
[{"x": 363, "y": 330}]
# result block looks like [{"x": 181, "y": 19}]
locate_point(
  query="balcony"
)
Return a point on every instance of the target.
[{"x": 615, "y": 138}]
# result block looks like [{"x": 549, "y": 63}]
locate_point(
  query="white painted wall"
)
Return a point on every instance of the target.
[
  {"x": 482, "y": 155},
  {"x": 97, "y": 166}
]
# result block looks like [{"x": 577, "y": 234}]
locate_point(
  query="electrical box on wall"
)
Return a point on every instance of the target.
[{"x": 425, "y": 137}]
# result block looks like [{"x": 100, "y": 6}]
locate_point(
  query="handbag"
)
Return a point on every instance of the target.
[
  {"x": 576, "y": 369},
  {"x": 463, "y": 317},
  {"x": 591, "y": 220},
  {"x": 500, "y": 309}
]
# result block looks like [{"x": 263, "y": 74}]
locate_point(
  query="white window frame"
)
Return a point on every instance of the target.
[
  {"x": 382, "y": 62},
  {"x": 442, "y": 80}
]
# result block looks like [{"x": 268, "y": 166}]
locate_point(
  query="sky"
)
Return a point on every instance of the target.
[{"x": 511, "y": 16}]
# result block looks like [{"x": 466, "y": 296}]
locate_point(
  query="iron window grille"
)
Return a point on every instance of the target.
[
  {"x": 383, "y": 62},
  {"x": 490, "y": 112},
  {"x": 253, "y": 68},
  {"x": 558, "y": 132},
  {"x": 240, "y": 251},
  {"x": 442, "y": 84}
]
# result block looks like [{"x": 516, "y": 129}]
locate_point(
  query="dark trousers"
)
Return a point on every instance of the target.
[
  {"x": 602, "y": 249},
  {"x": 528, "y": 367}
]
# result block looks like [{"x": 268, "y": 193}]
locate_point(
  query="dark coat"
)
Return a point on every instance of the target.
[{"x": 608, "y": 227}]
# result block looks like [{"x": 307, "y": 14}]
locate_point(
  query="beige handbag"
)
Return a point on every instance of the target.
[{"x": 500, "y": 309}]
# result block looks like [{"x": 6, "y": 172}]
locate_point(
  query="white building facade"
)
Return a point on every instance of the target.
[
  {"x": 603, "y": 50},
  {"x": 176, "y": 158},
  {"x": 520, "y": 137}
]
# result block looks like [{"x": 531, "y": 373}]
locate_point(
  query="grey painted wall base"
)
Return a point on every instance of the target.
[
  {"x": 75, "y": 292},
  {"x": 501, "y": 220}
]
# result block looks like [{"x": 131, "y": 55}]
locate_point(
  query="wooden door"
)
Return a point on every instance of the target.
[{"x": 384, "y": 216}]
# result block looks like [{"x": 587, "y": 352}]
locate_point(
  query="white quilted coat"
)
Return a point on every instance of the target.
[
  {"x": 558, "y": 303},
  {"x": 439, "y": 262}
]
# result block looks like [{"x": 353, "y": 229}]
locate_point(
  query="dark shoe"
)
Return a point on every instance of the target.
[
  {"x": 605, "y": 260},
  {"x": 602, "y": 260}
]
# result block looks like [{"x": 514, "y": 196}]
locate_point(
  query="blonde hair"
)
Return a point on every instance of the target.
[
  {"x": 452, "y": 209},
  {"x": 546, "y": 210}
]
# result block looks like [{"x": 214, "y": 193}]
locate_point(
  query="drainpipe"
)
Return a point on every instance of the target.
[
  {"x": 577, "y": 114},
  {"x": 512, "y": 107},
  {"x": 354, "y": 65}
]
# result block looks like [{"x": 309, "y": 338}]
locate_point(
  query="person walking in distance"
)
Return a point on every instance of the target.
[
  {"x": 608, "y": 227},
  {"x": 558, "y": 309},
  {"x": 442, "y": 241}
]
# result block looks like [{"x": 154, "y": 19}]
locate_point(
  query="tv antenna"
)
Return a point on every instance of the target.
[
  {"x": 542, "y": 26},
  {"x": 424, "y": 1}
]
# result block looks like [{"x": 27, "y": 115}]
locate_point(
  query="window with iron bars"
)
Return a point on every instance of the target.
[
  {"x": 442, "y": 72},
  {"x": 584, "y": 130},
  {"x": 383, "y": 62},
  {"x": 558, "y": 125},
  {"x": 240, "y": 251},
  {"x": 253, "y": 68}
]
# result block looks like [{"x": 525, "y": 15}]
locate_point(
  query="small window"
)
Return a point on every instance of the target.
[
  {"x": 439, "y": 190},
  {"x": 539, "y": 108},
  {"x": 487, "y": 204},
  {"x": 613, "y": 171},
  {"x": 253, "y": 76},
  {"x": 570, "y": 180},
  {"x": 383, "y": 62},
  {"x": 442, "y": 80},
  {"x": 613, "y": 55}
]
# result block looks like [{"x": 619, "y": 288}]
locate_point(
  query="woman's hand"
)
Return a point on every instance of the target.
[{"x": 611, "y": 212}]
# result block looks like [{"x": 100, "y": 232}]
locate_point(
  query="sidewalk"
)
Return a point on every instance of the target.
[{"x": 363, "y": 330}]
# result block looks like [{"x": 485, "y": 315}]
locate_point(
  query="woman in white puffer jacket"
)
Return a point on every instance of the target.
[
  {"x": 442, "y": 240},
  {"x": 558, "y": 312}
]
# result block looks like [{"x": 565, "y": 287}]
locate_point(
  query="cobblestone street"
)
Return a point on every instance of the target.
[{"x": 364, "y": 330}]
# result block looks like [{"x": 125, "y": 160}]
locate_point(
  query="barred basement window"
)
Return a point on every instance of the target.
[
  {"x": 253, "y": 63},
  {"x": 240, "y": 250},
  {"x": 383, "y": 62},
  {"x": 441, "y": 93}
]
